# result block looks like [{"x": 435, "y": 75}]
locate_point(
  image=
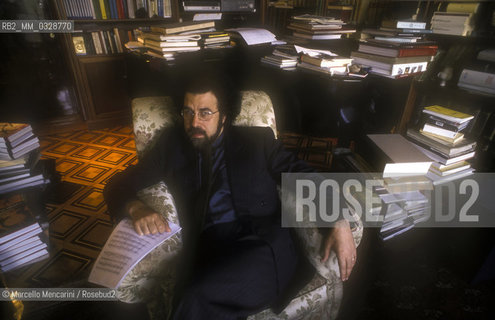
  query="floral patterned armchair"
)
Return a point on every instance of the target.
[{"x": 152, "y": 280}]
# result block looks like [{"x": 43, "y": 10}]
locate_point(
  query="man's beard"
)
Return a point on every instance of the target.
[{"x": 204, "y": 143}]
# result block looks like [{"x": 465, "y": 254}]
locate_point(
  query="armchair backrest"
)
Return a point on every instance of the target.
[{"x": 150, "y": 115}]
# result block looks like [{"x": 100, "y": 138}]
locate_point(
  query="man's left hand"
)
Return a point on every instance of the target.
[{"x": 341, "y": 241}]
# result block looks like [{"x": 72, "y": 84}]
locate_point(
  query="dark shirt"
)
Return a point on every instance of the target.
[{"x": 220, "y": 208}]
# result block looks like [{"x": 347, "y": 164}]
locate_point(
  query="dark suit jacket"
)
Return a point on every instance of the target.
[{"x": 255, "y": 161}]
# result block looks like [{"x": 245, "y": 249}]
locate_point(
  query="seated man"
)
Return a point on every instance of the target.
[{"x": 238, "y": 259}]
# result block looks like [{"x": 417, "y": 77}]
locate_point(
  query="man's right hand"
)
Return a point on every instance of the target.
[{"x": 146, "y": 220}]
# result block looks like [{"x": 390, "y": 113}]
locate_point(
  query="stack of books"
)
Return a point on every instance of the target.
[
  {"x": 395, "y": 50},
  {"x": 452, "y": 23},
  {"x": 18, "y": 158},
  {"x": 404, "y": 173},
  {"x": 22, "y": 240},
  {"x": 16, "y": 140},
  {"x": 318, "y": 27},
  {"x": 20, "y": 174},
  {"x": 167, "y": 40},
  {"x": 283, "y": 56},
  {"x": 324, "y": 63},
  {"x": 442, "y": 139},
  {"x": 215, "y": 40},
  {"x": 402, "y": 211},
  {"x": 458, "y": 19},
  {"x": 481, "y": 76},
  {"x": 169, "y": 44}
]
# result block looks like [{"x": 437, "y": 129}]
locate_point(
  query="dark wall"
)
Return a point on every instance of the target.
[{"x": 34, "y": 79}]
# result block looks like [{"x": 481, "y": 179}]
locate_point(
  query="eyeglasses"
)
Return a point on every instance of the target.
[{"x": 203, "y": 115}]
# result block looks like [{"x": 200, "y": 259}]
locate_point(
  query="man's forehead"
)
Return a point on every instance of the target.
[{"x": 200, "y": 100}]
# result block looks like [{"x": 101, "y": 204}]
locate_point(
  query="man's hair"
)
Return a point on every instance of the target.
[{"x": 217, "y": 82}]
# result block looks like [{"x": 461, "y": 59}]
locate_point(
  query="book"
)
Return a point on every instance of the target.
[
  {"x": 409, "y": 24},
  {"x": 22, "y": 254},
  {"x": 283, "y": 65},
  {"x": 390, "y": 60},
  {"x": 389, "y": 232},
  {"x": 122, "y": 251},
  {"x": 21, "y": 237},
  {"x": 399, "y": 156},
  {"x": 442, "y": 170},
  {"x": 486, "y": 55},
  {"x": 286, "y": 51},
  {"x": 317, "y": 19},
  {"x": 477, "y": 79},
  {"x": 16, "y": 148},
  {"x": 435, "y": 150},
  {"x": 388, "y": 32},
  {"x": 34, "y": 257},
  {"x": 442, "y": 132},
  {"x": 183, "y": 26},
  {"x": 391, "y": 44},
  {"x": 6, "y": 165},
  {"x": 398, "y": 39},
  {"x": 442, "y": 123},
  {"x": 438, "y": 179},
  {"x": 281, "y": 60},
  {"x": 21, "y": 140},
  {"x": 403, "y": 184},
  {"x": 443, "y": 147},
  {"x": 442, "y": 159},
  {"x": 448, "y": 114},
  {"x": 167, "y": 44},
  {"x": 391, "y": 69},
  {"x": 157, "y": 36},
  {"x": 406, "y": 30},
  {"x": 463, "y": 7},
  {"x": 314, "y": 27},
  {"x": 20, "y": 152},
  {"x": 326, "y": 61},
  {"x": 317, "y": 36},
  {"x": 426, "y": 50},
  {"x": 20, "y": 247},
  {"x": 452, "y": 18},
  {"x": 14, "y": 185},
  {"x": 10, "y": 132},
  {"x": 414, "y": 196},
  {"x": 173, "y": 49}
]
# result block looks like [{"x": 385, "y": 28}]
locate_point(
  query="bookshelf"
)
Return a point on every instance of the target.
[
  {"x": 439, "y": 84},
  {"x": 95, "y": 52}
]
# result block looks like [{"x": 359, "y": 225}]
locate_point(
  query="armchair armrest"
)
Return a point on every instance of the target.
[
  {"x": 154, "y": 276},
  {"x": 311, "y": 241}
]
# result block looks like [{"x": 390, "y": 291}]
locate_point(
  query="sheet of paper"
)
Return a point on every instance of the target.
[
  {"x": 255, "y": 35},
  {"x": 207, "y": 16},
  {"x": 314, "y": 52},
  {"x": 122, "y": 251}
]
